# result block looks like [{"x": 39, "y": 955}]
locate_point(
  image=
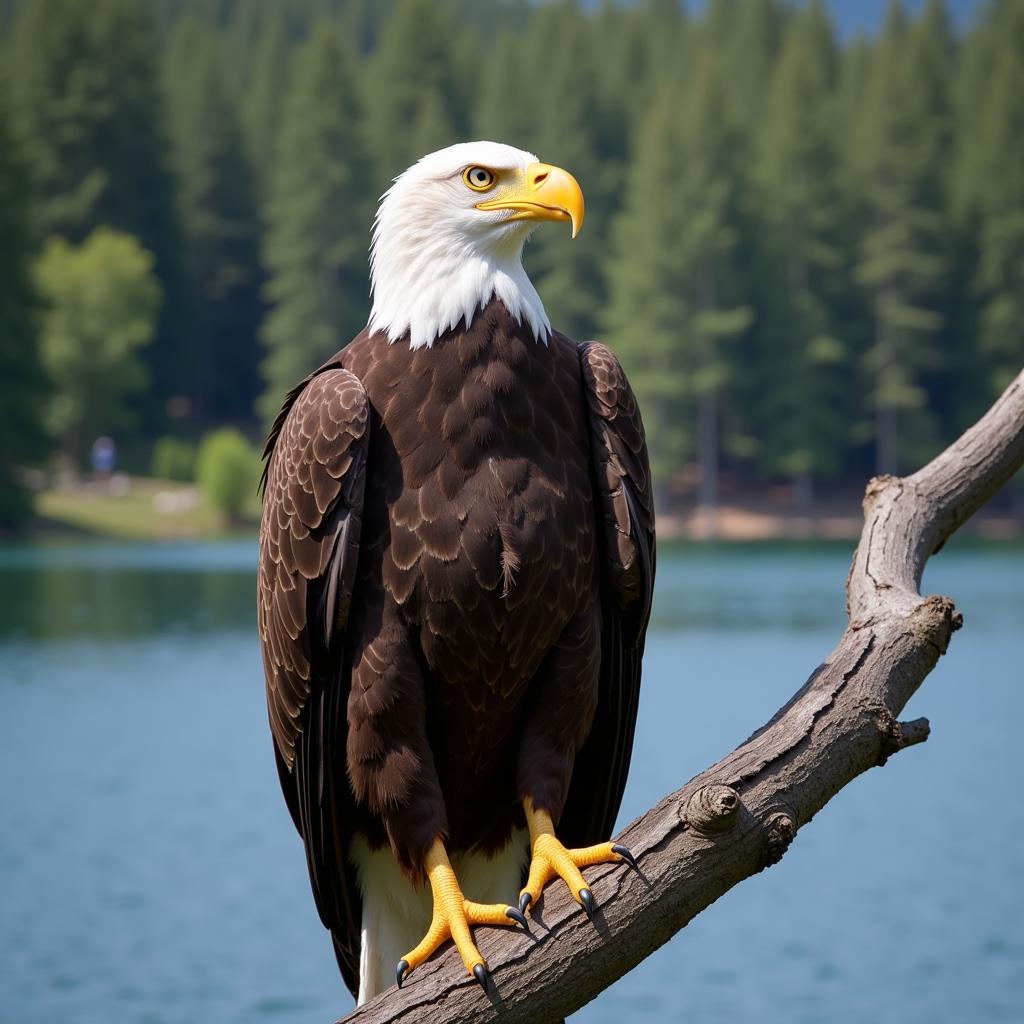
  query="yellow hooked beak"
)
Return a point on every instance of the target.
[{"x": 546, "y": 193}]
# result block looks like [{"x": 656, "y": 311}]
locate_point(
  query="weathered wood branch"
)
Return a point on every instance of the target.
[{"x": 740, "y": 815}]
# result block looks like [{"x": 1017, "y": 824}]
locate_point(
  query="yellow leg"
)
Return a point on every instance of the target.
[
  {"x": 453, "y": 914},
  {"x": 549, "y": 858}
]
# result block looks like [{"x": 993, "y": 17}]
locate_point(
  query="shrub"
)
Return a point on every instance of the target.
[
  {"x": 174, "y": 458},
  {"x": 227, "y": 471}
]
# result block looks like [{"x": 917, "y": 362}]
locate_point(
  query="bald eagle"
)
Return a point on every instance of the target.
[{"x": 455, "y": 573}]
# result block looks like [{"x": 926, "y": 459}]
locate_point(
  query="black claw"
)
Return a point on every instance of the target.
[
  {"x": 401, "y": 971},
  {"x": 626, "y": 856},
  {"x": 517, "y": 916},
  {"x": 587, "y": 899},
  {"x": 524, "y": 902},
  {"x": 483, "y": 976}
]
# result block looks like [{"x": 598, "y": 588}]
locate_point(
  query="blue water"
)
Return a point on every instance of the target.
[{"x": 149, "y": 871}]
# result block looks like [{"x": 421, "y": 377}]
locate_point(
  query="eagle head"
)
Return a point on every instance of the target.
[{"x": 449, "y": 236}]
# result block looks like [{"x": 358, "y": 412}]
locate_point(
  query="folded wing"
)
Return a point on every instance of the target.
[
  {"x": 314, "y": 482},
  {"x": 624, "y": 509}
]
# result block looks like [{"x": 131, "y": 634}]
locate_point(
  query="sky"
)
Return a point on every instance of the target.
[
  {"x": 854, "y": 17},
  {"x": 857, "y": 16}
]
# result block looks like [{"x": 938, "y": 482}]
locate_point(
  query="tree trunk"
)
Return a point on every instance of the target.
[
  {"x": 740, "y": 815},
  {"x": 887, "y": 430},
  {"x": 707, "y": 419},
  {"x": 803, "y": 495},
  {"x": 886, "y": 415},
  {"x": 1017, "y": 500},
  {"x": 707, "y": 459}
]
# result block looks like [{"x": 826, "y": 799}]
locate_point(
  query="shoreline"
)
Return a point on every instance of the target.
[
  {"x": 743, "y": 523},
  {"x": 146, "y": 509}
]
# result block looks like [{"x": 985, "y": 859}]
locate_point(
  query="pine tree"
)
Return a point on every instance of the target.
[
  {"x": 494, "y": 117},
  {"x": 635, "y": 48},
  {"x": 130, "y": 140},
  {"x": 239, "y": 28},
  {"x": 220, "y": 221},
  {"x": 648, "y": 310},
  {"x": 263, "y": 102},
  {"x": 672, "y": 274},
  {"x": 88, "y": 109},
  {"x": 362, "y": 22},
  {"x": 418, "y": 97},
  {"x": 746, "y": 35},
  {"x": 990, "y": 195},
  {"x": 55, "y": 84},
  {"x": 898, "y": 166},
  {"x": 801, "y": 399},
  {"x": 23, "y": 441},
  {"x": 320, "y": 215},
  {"x": 558, "y": 61}
]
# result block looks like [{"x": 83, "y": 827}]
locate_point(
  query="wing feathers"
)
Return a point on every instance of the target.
[
  {"x": 314, "y": 484},
  {"x": 625, "y": 509}
]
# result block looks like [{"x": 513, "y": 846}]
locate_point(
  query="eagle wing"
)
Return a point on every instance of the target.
[
  {"x": 314, "y": 481},
  {"x": 625, "y": 511}
]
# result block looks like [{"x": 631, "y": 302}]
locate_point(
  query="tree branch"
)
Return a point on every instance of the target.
[{"x": 740, "y": 815}]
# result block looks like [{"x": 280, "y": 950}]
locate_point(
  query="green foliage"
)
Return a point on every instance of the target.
[
  {"x": 262, "y": 104},
  {"x": 228, "y": 472},
  {"x": 319, "y": 219},
  {"x": 103, "y": 299},
  {"x": 746, "y": 34},
  {"x": 559, "y": 96},
  {"x": 647, "y": 314},
  {"x": 810, "y": 256},
  {"x": 23, "y": 441},
  {"x": 416, "y": 92},
  {"x": 991, "y": 200},
  {"x": 673, "y": 310},
  {"x": 218, "y": 214},
  {"x": 56, "y": 92},
  {"x": 801, "y": 404},
  {"x": 87, "y": 103},
  {"x": 902, "y": 147},
  {"x": 85, "y": 89},
  {"x": 174, "y": 458}
]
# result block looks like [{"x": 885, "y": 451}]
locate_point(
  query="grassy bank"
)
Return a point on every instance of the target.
[
  {"x": 137, "y": 508},
  {"x": 141, "y": 508}
]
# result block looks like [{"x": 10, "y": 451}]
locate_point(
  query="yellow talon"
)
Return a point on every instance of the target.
[
  {"x": 453, "y": 914},
  {"x": 548, "y": 858}
]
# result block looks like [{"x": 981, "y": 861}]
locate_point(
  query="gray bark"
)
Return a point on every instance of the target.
[{"x": 740, "y": 815}]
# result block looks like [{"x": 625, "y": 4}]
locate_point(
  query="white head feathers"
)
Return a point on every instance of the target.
[{"x": 436, "y": 258}]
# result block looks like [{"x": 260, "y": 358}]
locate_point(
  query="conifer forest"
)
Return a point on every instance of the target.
[{"x": 807, "y": 250}]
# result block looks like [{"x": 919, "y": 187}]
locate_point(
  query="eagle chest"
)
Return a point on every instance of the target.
[{"x": 487, "y": 510}]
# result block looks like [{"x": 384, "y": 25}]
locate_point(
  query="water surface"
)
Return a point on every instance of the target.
[{"x": 149, "y": 871}]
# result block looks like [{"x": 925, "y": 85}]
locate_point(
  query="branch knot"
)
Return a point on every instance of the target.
[
  {"x": 712, "y": 809},
  {"x": 896, "y": 736},
  {"x": 877, "y": 486},
  {"x": 779, "y": 831},
  {"x": 935, "y": 620}
]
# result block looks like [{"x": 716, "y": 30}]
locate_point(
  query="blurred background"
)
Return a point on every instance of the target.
[{"x": 804, "y": 239}]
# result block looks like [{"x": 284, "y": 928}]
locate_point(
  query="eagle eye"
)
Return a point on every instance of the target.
[{"x": 479, "y": 179}]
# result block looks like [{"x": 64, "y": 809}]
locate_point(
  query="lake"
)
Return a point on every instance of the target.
[{"x": 149, "y": 872}]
